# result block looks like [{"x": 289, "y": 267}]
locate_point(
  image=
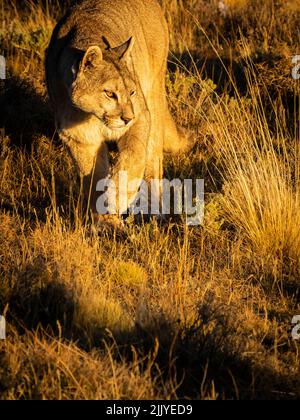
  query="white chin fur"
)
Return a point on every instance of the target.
[{"x": 111, "y": 133}]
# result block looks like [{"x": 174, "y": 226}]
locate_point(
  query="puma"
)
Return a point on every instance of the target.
[{"x": 106, "y": 66}]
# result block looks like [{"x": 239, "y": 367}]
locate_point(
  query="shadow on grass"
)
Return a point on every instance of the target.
[
  {"x": 24, "y": 113},
  {"x": 268, "y": 72},
  {"x": 211, "y": 357},
  {"x": 226, "y": 74}
]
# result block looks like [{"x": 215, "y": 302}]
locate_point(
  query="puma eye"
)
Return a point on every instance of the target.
[
  {"x": 110, "y": 95},
  {"x": 133, "y": 93}
]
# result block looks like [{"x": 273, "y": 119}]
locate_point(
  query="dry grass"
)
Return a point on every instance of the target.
[{"x": 167, "y": 311}]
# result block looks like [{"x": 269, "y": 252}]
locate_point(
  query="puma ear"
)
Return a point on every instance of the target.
[
  {"x": 125, "y": 49},
  {"x": 92, "y": 58}
]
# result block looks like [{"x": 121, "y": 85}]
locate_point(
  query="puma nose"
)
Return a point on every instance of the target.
[{"x": 127, "y": 116}]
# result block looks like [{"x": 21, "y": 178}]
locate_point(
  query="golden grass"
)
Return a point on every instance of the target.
[
  {"x": 261, "y": 179},
  {"x": 167, "y": 311}
]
